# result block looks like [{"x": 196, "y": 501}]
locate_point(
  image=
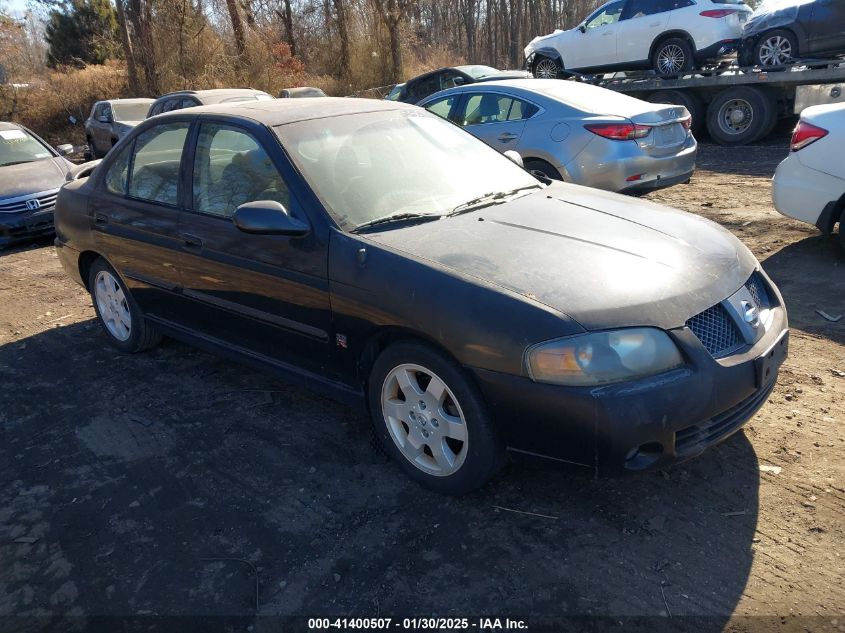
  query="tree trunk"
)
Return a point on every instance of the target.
[
  {"x": 288, "y": 20},
  {"x": 140, "y": 16},
  {"x": 128, "y": 53},
  {"x": 237, "y": 28},
  {"x": 343, "y": 33}
]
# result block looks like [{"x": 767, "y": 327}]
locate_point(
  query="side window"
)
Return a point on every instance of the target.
[
  {"x": 98, "y": 110},
  {"x": 609, "y": 15},
  {"x": 187, "y": 103},
  {"x": 640, "y": 8},
  {"x": 107, "y": 111},
  {"x": 171, "y": 104},
  {"x": 118, "y": 174},
  {"x": 156, "y": 109},
  {"x": 230, "y": 169},
  {"x": 442, "y": 107},
  {"x": 487, "y": 108},
  {"x": 155, "y": 165},
  {"x": 521, "y": 110}
]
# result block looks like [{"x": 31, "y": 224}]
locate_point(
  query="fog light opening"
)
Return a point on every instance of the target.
[{"x": 643, "y": 456}]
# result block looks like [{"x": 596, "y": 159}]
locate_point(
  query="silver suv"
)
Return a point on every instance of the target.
[{"x": 111, "y": 120}]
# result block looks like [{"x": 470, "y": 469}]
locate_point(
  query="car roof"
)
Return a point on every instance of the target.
[
  {"x": 213, "y": 94},
  {"x": 8, "y": 125},
  {"x": 134, "y": 100},
  {"x": 282, "y": 111}
]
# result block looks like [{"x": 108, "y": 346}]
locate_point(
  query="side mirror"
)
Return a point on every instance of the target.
[
  {"x": 582, "y": 28},
  {"x": 268, "y": 217},
  {"x": 65, "y": 150},
  {"x": 459, "y": 81},
  {"x": 515, "y": 157}
]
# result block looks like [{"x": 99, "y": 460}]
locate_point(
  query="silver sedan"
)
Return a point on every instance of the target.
[{"x": 577, "y": 132}]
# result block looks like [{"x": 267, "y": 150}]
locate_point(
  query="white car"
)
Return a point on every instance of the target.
[
  {"x": 669, "y": 36},
  {"x": 810, "y": 184}
]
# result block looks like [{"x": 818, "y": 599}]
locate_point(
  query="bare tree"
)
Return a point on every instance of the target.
[
  {"x": 128, "y": 50},
  {"x": 237, "y": 28}
]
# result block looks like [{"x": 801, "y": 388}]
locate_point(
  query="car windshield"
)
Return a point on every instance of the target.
[
  {"x": 19, "y": 146},
  {"x": 130, "y": 111},
  {"x": 477, "y": 72},
  {"x": 373, "y": 165}
]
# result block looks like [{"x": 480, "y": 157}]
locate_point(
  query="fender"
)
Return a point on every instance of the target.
[
  {"x": 672, "y": 33},
  {"x": 546, "y": 51}
]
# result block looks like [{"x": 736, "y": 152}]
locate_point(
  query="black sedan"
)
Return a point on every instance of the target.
[
  {"x": 416, "y": 89},
  {"x": 781, "y": 31},
  {"x": 376, "y": 252}
]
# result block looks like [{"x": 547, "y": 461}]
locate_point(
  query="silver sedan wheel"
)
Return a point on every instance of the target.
[
  {"x": 671, "y": 59},
  {"x": 775, "y": 51},
  {"x": 424, "y": 419},
  {"x": 546, "y": 69},
  {"x": 112, "y": 306}
]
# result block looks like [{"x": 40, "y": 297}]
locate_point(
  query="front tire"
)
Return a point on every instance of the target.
[
  {"x": 672, "y": 57},
  {"x": 118, "y": 314},
  {"x": 548, "y": 170},
  {"x": 777, "y": 48},
  {"x": 546, "y": 68},
  {"x": 431, "y": 419}
]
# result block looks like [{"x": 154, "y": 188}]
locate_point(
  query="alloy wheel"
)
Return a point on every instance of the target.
[
  {"x": 775, "y": 51},
  {"x": 671, "y": 59},
  {"x": 546, "y": 69},
  {"x": 112, "y": 306},
  {"x": 424, "y": 419}
]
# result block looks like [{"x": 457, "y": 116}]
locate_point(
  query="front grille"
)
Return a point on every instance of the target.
[
  {"x": 757, "y": 287},
  {"x": 699, "y": 436},
  {"x": 46, "y": 201},
  {"x": 716, "y": 331}
]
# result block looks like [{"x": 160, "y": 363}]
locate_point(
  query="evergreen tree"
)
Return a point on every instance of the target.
[{"x": 82, "y": 32}]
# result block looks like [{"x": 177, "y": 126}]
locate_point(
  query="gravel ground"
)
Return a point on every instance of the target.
[{"x": 177, "y": 483}]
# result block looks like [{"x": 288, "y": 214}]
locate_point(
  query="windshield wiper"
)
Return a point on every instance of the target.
[
  {"x": 489, "y": 199},
  {"x": 395, "y": 218},
  {"x": 17, "y": 162}
]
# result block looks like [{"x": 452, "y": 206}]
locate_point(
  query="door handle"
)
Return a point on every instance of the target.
[
  {"x": 191, "y": 241},
  {"x": 507, "y": 136},
  {"x": 100, "y": 219}
]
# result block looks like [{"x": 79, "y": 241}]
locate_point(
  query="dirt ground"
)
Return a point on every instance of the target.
[{"x": 177, "y": 483}]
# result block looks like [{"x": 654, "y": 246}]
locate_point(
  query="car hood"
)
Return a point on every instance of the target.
[
  {"x": 773, "y": 15},
  {"x": 27, "y": 178},
  {"x": 603, "y": 259}
]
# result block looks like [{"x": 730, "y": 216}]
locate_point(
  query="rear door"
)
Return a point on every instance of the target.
[
  {"x": 263, "y": 295},
  {"x": 497, "y": 119},
  {"x": 135, "y": 216},
  {"x": 826, "y": 30},
  {"x": 641, "y": 23}
]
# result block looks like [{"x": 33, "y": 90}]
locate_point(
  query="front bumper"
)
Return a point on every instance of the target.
[
  {"x": 26, "y": 225},
  {"x": 643, "y": 424}
]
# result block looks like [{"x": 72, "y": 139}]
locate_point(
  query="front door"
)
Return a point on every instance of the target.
[
  {"x": 642, "y": 22},
  {"x": 827, "y": 29},
  {"x": 264, "y": 295},
  {"x": 136, "y": 219},
  {"x": 496, "y": 119},
  {"x": 597, "y": 44}
]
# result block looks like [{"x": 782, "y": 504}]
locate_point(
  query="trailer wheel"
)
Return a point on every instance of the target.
[
  {"x": 690, "y": 100},
  {"x": 740, "y": 115}
]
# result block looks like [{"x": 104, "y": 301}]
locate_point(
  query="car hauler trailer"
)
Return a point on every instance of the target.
[{"x": 737, "y": 105}]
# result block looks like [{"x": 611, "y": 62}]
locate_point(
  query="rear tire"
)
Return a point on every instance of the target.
[
  {"x": 545, "y": 68},
  {"x": 691, "y": 101},
  {"x": 672, "y": 56},
  {"x": 741, "y": 115},
  {"x": 431, "y": 419},
  {"x": 118, "y": 314}
]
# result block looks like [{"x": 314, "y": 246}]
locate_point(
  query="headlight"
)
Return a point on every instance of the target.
[{"x": 601, "y": 358}]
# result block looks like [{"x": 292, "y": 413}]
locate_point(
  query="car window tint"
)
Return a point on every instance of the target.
[
  {"x": 442, "y": 107},
  {"x": 155, "y": 166},
  {"x": 118, "y": 174},
  {"x": 187, "y": 103},
  {"x": 156, "y": 109},
  {"x": 521, "y": 110},
  {"x": 230, "y": 169},
  {"x": 487, "y": 108},
  {"x": 107, "y": 110},
  {"x": 171, "y": 104},
  {"x": 640, "y": 8},
  {"x": 609, "y": 15}
]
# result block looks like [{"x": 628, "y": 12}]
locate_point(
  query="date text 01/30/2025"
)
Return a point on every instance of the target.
[{"x": 417, "y": 624}]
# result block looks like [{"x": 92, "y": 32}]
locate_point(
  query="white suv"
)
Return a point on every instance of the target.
[{"x": 669, "y": 36}]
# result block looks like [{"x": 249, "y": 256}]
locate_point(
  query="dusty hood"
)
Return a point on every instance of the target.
[
  {"x": 605, "y": 260},
  {"x": 34, "y": 177}
]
